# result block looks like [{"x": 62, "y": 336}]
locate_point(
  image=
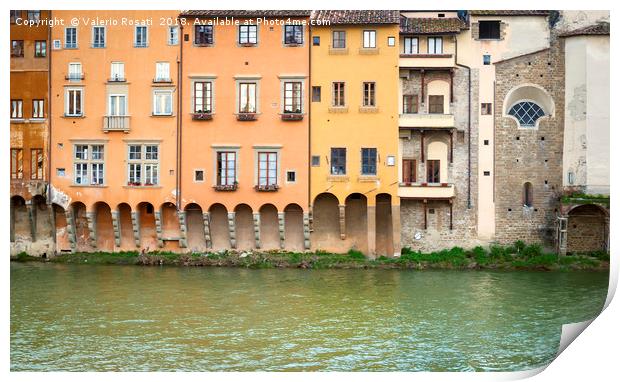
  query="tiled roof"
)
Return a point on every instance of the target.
[
  {"x": 357, "y": 17},
  {"x": 245, "y": 13},
  {"x": 601, "y": 28},
  {"x": 504, "y": 12},
  {"x": 431, "y": 25}
]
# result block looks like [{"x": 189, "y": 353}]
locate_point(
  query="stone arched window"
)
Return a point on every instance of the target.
[
  {"x": 528, "y": 104},
  {"x": 528, "y": 195}
]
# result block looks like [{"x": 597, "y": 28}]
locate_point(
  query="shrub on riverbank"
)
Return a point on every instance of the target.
[{"x": 517, "y": 256}]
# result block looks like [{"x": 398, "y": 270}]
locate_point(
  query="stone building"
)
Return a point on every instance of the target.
[{"x": 30, "y": 222}]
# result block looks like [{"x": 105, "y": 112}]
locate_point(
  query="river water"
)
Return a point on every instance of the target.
[{"x": 132, "y": 318}]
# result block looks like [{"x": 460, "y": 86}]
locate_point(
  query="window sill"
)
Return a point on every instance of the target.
[
  {"x": 162, "y": 81},
  {"x": 271, "y": 188},
  {"x": 142, "y": 187},
  {"x": 89, "y": 185},
  {"x": 367, "y": 178},
  {"x": 247, "y": 116},
  {"x": 202, "y": 116},
  {"x": 18, "y": 120},
  {"x": 232, "y": 187},
  {"x": 368, "y": 109},
  {"x": 205, "y": 45},
  {"x": 338, "y": 51},
  {"x": 294, "y": 45},
  {"x": 162, "y": 115},
  {"x": 368, "y": 51},
  {"x": 73, "y": 116},
  {"x": 425, "y": 55},
  {"x": 337, "y": 178},
  {"x": 247, "y": 45},
  {"x": 292, "y": 116},
  {"x": 338, "y": 109}
]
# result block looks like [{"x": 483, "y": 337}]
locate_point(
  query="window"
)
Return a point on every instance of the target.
[
  {"x": 75, "y": 71},
  {"x": 88, "y": 162},
  {"x": 294, "y": 34},
  {"x": 143, "y": 165},
  {"x": 36, "y": 164},
  {"x": 527, "y": 113},
  {"x": 247, "y": 97},
  {"x": 369, "y": 95},
  {"x": 40, "y": 48},
  {"x": 173, "y": 35},
  {"x": 410, "y": 104},
  {"x": 37, "y": 108},
  {"x": 17, "y": 164},
  {"x": 369, "y": 161},
  {"x": 409, "y": 171},
  {"x": 338, "y": 161},
  {"x": 248, "y": 34},
  {"x": 73, "y": 102},
  {"x": 98, "y": 37},
  {"x": 370, "y": 39},
  {"x": 34, "y": 15},
  {"x": 17, "y": 108},
  {"x": 141, "y": 38},
  {"x": 486, "y": 59},
  {"x": 203, "y": 34},
  {"x": 316, "y": 94},
  {"x": 486, "y": 109},
  {"x": 435, "y": 45},
  {"x": 203, "y": 97},
  {"x": 292, "y": 97},
  {"x": 71, "y": 37},
  {"x": 56, "y": 44},
  {"x": 199, "y": 175},
  {"x": 489, "y": 30},
  {"x": 411, "y": 45},
  {"x": 528, "y": 195},
  {"x": 391, "y": 41},
  {"x": 15, "y": 15},
  {"x": 432, "y": 171},
  {"x": 17, "y": 48},
  {"x": 339, "y": 40},
  {"x": 338, "y": 90},
  {"x": 226, "y": 168},
  {"x": 117, "y": 105},
  {"x": 162, "y": 72},
  {"x": 117, "y": 71},
  {"x": 316, "y": 161},
  {"x": 316, "y": 40},
  {"x": 162, "y": 102},
  {"x": 291, "y": 176},
  {"x": 267, "y": 168},
  {"x": 435, "y": 104}
]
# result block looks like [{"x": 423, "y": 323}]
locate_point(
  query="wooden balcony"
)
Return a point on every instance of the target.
[{"x": 116, "y": 123}]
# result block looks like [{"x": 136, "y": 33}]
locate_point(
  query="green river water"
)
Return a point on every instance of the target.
[{"x": 132, "y": 318}]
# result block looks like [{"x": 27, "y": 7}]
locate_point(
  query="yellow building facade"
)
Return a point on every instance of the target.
[{"x": 354, "y": 132}]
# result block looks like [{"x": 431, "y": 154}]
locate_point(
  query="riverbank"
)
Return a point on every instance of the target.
[{"x": 515, "y": 257}]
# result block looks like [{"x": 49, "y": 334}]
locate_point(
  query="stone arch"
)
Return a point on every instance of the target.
[
  {"x": 384, "y": 240},
  {"x": 148, "y": 229},
  {"x": 244, "y": 227},
  {"x": 62, "y": 234},
  {"x": 437, "y": 150},
  {"x": 20, "y": 220},
  {"x": 195, "y": 228},
  {"x": 104, "y": 229},
  {"x": 356, "y": 221},
  {"x": 529, "y": 93},
  {"x": 80, "y": 222},
  {"x": 588, "y": 229},
  {"x": 438, "y": 87},
  {"x": 128, "y": 241},
  {"x": 220, "y": 234},
  {"x": 326, "y": 222},
  {"x": 269, "y": 227},
  {"x": 294, "y": 227},
  {"x": 170, "y": 226}
]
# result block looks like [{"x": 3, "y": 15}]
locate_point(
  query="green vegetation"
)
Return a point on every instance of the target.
[
  {"x": 585, "y": 199},
  {"x": 516, "y": 256}
]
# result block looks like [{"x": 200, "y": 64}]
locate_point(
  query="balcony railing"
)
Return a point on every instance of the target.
[
  {"x": 116, "y": 123},
  {"x": 74, "y": 76}
]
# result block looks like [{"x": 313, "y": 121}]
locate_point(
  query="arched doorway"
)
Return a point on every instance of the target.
[
  {"x": 244, "y": 227},
  {"x": 104, "y": 227},
  {"x": 170, "y": 227},
  {"x": 148, "y": 232},
  {"x": 269, "y": 227},
  {"x": 587, "y": 229},
  {"x": 294, "y": 227},
  {"x": 20, "y": 221},
  {"x": 195, "y": 228},
  {"x": 326, "y": 223},
  {"x": 220, "y": 236},
  {"x": 356, "y": 222}
]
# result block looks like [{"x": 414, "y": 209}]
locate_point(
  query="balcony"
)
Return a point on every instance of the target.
[
  {"x": 426, "y": 60},
  {"x": 74, "y": 77},
  {"x": 292, "y": 116},
  {"x": 426, "y": 190},
  {"x": 426, "y": 121},
  {"x": 202, "y": 116},
  {"x": 116, "y": 123}
]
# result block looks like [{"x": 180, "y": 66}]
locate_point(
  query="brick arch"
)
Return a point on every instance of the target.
[{"x": 588, "y": 229}]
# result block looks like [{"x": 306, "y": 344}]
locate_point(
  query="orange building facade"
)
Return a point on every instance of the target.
[
  {"x": 245, "y": 129},
  {"x": 29, "y": 117}
]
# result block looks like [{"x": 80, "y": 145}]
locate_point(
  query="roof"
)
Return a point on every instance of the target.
[
  {"x": 431, "y": 25},
  {"x": 505, "y": 12},
  {"x": 357, "y": 17},
  {"x": 599, "y": 29},
  {"x": 245, "y": 13}
]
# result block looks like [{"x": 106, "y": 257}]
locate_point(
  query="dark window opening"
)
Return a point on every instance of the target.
[
  {"x": 435, "y": 104},
  {"x": 316, "y": 94},
  {"x": 409, "y": 171},
  {"x": 338, "y": 161},
  {"x": 489, "y": 30},
  {"x": 432, "y": 171}
]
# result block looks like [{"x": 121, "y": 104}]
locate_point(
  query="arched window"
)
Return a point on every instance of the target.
[
  {"x": 527, "y": 113},
  {"x": 528, "y": 195}
]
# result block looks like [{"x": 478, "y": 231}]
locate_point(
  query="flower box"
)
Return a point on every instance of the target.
[
  {"x": 135, "y": 184},
  {"x": 202, "y": 116},
  {"x": 292, "y": 116},
  {"x": 225, "y": 187},
  {"x": 267, "y": 188},
  {"x": 246, "y": 117},
  {"x": 444, "y": 185},
  {"x": 247, "y": 44},
  {"x": 424, "y": 184}
]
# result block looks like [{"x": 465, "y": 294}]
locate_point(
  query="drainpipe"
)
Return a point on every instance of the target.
[
  {"x": 49, "y": 112},
  {"x": 456, "y": 54},
  {"x": 179, "y": 117},
  {"x": 309, "y": 113}
]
